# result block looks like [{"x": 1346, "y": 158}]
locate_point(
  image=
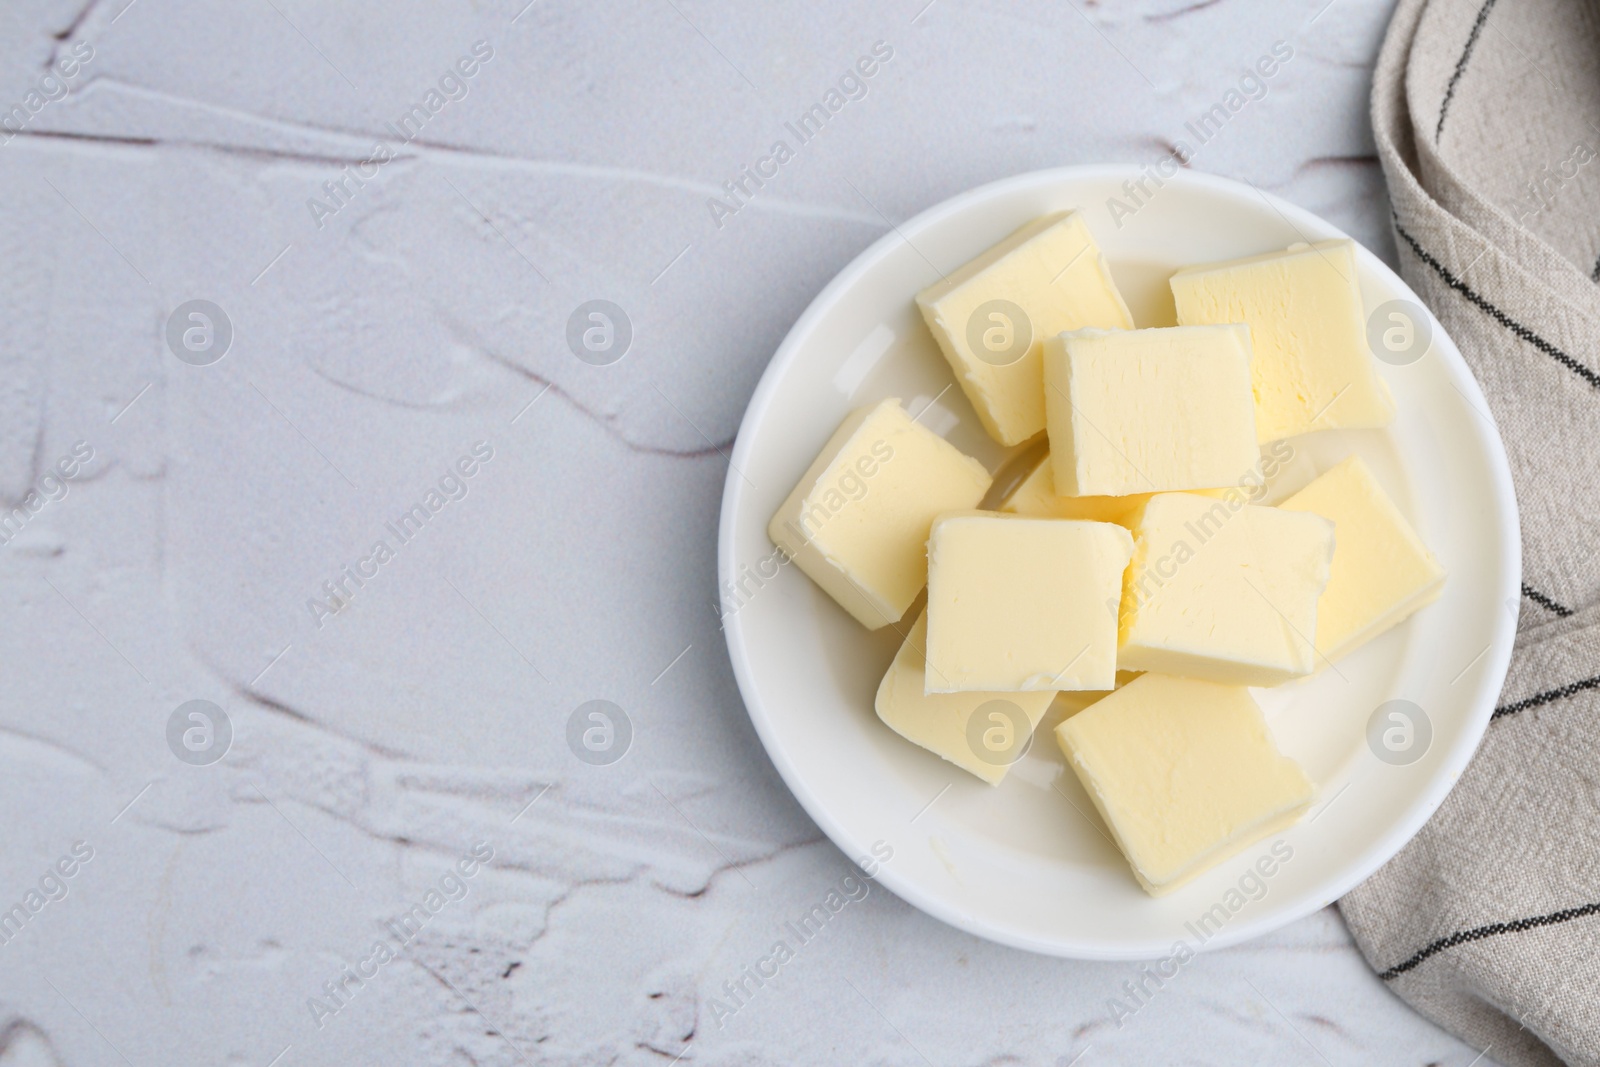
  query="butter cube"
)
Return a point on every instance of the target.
[
  {"x": 991, "y": 317},
  {"x": 1312, "y": 367},
  {"x": 984, "y": 733},
  {"x": 1184, "y": 773},
  {"x": 1066, "y": 705},
  {"x": 1023, "y": 605},
  {"x": 1147, "y": 411},
  {"x": 1381, "y": 572},
  {"x": 1224, "y": 590},
  {"x": 857, "y": 524},
  {"x": 1035, "y": 496}
]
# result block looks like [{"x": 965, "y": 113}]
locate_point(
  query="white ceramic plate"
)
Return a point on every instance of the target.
[{"x": 1028, "y": 863}]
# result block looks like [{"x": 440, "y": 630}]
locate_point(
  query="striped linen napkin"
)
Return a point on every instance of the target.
[{"x": 1485, "y": 117}]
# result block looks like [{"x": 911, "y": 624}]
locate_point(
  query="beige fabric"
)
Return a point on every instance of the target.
[{"x": 1489, "y": 921}]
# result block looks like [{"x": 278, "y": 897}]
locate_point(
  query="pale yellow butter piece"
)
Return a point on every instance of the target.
[
  {"x": 1035, "y": 496},
  {"x": 1051, "y": 272},
  {"x": 1023, "y": 605},
  {"x": 1381, "y": 573},
  {"x": 857, "y": 523},
  {"x": 1147, "y": 411},
  {"x": 1223, "y": 590},
  {"x": 1184, "y": 773},
  {"x": 984, "y": 733},
  {"x": 1312, "y": 368}
]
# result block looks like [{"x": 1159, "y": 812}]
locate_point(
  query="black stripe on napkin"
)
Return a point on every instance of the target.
[
  {"x": 1549, "y": 696},
  {"x": 1545, "y": 602},
  {"x": 1492, "y": 930},
  {"x": 1461, "y": 65},
  {"x": 1499, "y": 316}
]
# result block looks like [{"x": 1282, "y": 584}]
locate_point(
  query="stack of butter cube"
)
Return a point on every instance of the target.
[{"x": 1137, "y": 546}]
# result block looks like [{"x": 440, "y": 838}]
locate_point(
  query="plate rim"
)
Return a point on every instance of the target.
[{"x": 1369, "y": 860}]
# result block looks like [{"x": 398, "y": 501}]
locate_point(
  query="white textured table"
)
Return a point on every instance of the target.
[{"x": 391, "y": 310}]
